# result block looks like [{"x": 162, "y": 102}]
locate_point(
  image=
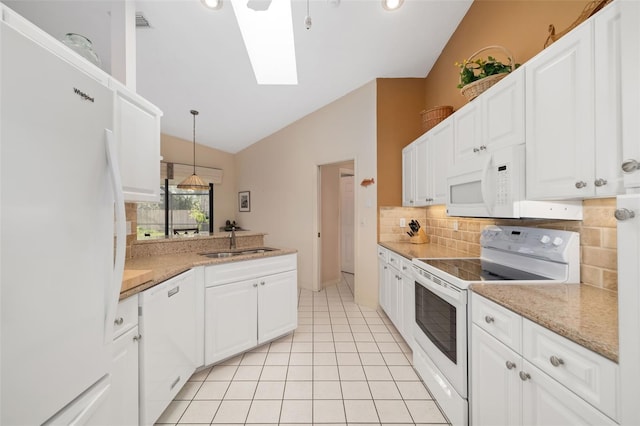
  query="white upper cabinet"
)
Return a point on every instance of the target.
[
  {"x": 560, "y": 137},
  {"x": 422, "y": 171},
  {"x": 493, "y": 121},
  {"x": 573, "y": 113},
  {"x": 408, "y": 175},
  {"x": 425, "y": 164},
  {"x": 137, "y": 130},
  {"x": 631, "y": 94},
  {"x": 440, "y": 160}
]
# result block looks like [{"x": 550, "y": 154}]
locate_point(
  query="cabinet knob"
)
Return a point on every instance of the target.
[
  {"x": 624, "y": 214},
  {"x": 483, "y": 147},
  {"x": 524, "y": 376},
  {"x": 629, "y": 166},
  {"x": 488, "y": 319},
  {"x": 118, "y": 321},
  {"x": 555, "y": 361},
  {"x": 137, "y": 338},
  {"x": 600, "y": 182},
  {"x": 510, "y": 365},
  {"x": 476, "y": 149},
  {"x": 581, "y": 184},
  {"x": 261, "y": 282},
  {"x": 255, "y": 284}
]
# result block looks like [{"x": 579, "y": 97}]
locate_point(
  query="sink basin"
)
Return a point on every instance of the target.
[{"x": 239, "y": 252}]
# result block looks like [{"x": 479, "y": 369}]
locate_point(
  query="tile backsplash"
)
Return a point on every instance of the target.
[{"x": 598, "y": 238}]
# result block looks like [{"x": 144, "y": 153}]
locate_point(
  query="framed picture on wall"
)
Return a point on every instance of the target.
[{"x": 244, "y": 201}]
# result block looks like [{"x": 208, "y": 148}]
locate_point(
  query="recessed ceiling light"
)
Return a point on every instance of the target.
[
  {"x": 212, "y": 4},
  {"x": 392, "y": 4}
]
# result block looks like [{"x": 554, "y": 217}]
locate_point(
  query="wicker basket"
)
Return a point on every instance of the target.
[
  {"x": 472, "y": 90},
  {"x": 589, "y": 10},
  {"x": 433, "y": 116}
]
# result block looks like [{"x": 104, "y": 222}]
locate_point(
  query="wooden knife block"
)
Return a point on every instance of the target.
[{"x": 421, "y": 238}]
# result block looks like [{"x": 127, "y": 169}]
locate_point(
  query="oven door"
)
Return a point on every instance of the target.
[{"x": 441, "y": 332}]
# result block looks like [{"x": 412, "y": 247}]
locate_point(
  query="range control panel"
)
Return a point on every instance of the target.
[{"x": 550, "y": 244}]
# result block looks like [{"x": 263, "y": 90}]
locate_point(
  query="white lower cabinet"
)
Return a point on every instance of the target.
[
  {"x": 508, "y": 386},
  {"x": 396, "y": 291},
  {"x": 239, "y": 315},
  {"x": 121, "y": 407},
  {"x": 169, "y": 343}
]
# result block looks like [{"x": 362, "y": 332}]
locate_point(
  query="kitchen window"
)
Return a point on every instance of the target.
[{"x": 179, "y": 212}]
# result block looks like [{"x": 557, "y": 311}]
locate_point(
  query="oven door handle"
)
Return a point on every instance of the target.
[{"x": 451, "y": 295}]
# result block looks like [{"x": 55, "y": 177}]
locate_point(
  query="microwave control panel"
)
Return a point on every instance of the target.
[{"x": 503, "y": 184}]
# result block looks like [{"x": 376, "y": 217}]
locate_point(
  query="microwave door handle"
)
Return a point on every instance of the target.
[{"x": 484, "y": 186}]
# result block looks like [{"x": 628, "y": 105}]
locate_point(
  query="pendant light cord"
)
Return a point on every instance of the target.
[{"x": 194, "y": 112}]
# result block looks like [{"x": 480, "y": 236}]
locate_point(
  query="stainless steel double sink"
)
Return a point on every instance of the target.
[{"x": 238, "y": 252}]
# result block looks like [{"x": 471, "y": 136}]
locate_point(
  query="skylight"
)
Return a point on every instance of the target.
[{"x": 268, "y": 38}]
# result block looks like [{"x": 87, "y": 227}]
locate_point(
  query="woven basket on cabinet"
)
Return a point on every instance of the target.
[
  {"x": 474, "y": 89},
  {"x": 435, "y": 115}
]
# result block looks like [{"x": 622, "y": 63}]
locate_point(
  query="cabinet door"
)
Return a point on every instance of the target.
[
  {"x": 608, "y": 101},
  {"x": 408, "y": 309},
  {"x": 137, "y": 127},
  {"x": 277, "y": 305},
  {"x": 121, "y": 407},
  {"x": 231, "y": 319},
  {"x": 631, "y": 93},
  {"x": 503, "y": 112},
  {"x": 440, "y": 159},
  {"x": 408, "y": 175},
  {"x": 168, "y": 348},
  {"x": 547, "y": 402},
  {"x": 467, "y": 128},
  {"x": 395, "y": 281},
  {"x": 560, "y": 112},
  {"x": 383, "y": 288},
  {"x": 422, "y": 178},
  {"x": 496, "y": 389}
]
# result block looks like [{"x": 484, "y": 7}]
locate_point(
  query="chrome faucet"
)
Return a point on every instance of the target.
[{"x": 232, "y": 238}]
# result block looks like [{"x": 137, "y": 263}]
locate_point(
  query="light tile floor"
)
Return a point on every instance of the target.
[{"x": 344, "y": 364}]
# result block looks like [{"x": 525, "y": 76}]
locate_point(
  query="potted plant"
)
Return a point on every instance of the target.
[{"x": 477, "y": 75}]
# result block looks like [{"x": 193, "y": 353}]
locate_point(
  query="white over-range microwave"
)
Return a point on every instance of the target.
[{"x": 493, "y": 185}]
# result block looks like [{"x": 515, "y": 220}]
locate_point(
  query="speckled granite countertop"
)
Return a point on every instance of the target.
[
  {"x": 411, "y": 251},
  {"x": 166, "y": 266},
  {"x": 584, "y": 314}
]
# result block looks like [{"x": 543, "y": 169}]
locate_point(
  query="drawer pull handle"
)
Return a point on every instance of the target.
[
  {"x": 119, "y": 321},
  {"x": 510, "y": 365},
  {"x": 524, "y": 376},
  {"x": 555, "y": 361},
  {"x": 137, "y": 338},
  {"x": 489, "y": 319},
  {"x": 175, "y": 382},
  {"x": 173, "y": 291}
]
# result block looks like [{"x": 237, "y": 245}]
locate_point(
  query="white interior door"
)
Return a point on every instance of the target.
[{"x": 346, "y": 223}]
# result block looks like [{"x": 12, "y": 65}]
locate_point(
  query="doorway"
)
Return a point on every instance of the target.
[{"x": 337, "y": 234}]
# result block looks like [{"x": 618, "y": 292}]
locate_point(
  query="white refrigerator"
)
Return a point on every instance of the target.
[{"x": 61, "y": 230}]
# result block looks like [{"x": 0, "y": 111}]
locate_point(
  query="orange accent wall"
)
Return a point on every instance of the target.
[
  {"x": 398, "y": 105},
  {"x": 519, "y": 25}
]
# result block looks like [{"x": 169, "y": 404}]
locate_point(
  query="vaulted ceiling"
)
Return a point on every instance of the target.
[{"x": 195, "y": 58}]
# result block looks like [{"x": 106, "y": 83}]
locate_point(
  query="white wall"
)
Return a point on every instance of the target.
[{"x": 281, "y": 171}]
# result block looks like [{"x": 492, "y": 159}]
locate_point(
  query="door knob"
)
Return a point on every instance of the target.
[
  {"x": 581, "y": 184},
  {"x": 600, "y": 182},
  {"x": 524, "y": 376},
  {"x": 510, "y": 365},
  {"x": 624, "y": 214}
]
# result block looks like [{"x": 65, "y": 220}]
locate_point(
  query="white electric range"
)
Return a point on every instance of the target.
[{"x": 509, "y": 255}]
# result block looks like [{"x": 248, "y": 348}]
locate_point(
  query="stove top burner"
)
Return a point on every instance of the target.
[{"x": 476, "y": 269}]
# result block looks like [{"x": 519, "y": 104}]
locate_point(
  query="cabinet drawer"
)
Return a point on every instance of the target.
[
  {"x": 382, "y": 254},
  {"x": 395, "y": 260},
  {"x": 589, "y": 375},
  {"x": 126, "y": 316},
  {"x": 500, "y": 322},
  {"x": 248, "y": 269}
]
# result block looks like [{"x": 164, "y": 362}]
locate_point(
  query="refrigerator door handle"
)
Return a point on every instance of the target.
[{"x": 113, "y": 293}]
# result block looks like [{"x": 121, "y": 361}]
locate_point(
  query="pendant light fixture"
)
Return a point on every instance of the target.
[{"x": 194, "y": 182}]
